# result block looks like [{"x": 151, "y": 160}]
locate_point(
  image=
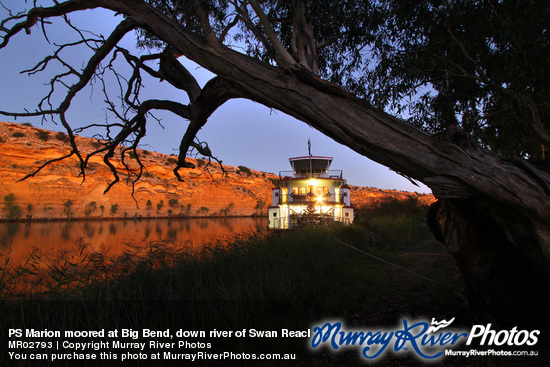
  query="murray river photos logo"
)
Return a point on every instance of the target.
[{"x": 428, "y": 341}]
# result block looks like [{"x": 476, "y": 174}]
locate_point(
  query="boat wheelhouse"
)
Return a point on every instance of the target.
[{"x": 310, "y": 194}]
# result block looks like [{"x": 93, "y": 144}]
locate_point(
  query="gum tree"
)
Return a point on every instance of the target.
[
  {"x": 12, "y": 210},
  {"x": 471, "y": 76}
]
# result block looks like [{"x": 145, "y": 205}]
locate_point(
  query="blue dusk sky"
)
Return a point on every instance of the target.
[{"x": 239, "y": 133}]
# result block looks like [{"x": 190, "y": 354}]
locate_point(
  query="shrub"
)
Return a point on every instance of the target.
[
  {"x": 11, "y": 209},
  {"x": 61, "y": 136},
  {"x": 18, "y": 134},
  {"x": 396, "y": 207},
  {"x": 172, "y": 160},
  {"x": 27, "y": 124},
  {"x": 274, "y": 181},
  {"x": 227, "y": 209},
  {"x": 90, "y": 208},
  {"x": 13, "y": 212},
  {"x": 203, "y": 210},
  {"x": 245, "y": 170},
  {"x": 114, "y": 208},
  {"x": 173, "y": 202},
  {"x": 43, "y": 135},
  {"x": 68, "y": 207}
]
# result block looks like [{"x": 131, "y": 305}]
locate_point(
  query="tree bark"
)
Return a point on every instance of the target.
[{"x": 504, "y": 274}]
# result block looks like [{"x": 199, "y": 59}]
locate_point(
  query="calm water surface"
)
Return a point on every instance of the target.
[{"x": 112, "y": 236}]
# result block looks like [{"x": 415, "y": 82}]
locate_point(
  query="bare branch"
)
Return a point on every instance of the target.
[
  {"x": 244, "y": 16},
  {"x": 29, "y": 114},
  {"x": 55, "y": 56},
  {"x": 10, "y": 18},
  {"x": 81, "y": 32},
  {"x": 36, "y": 14},
  {"x": 205, "y": 24},
  {"x": 215, "y": 93},
  {"x": 84, "y": 78},
  {"x": 33, "y": 173},
  {"x": 120, "y": 31},
  {"x": 283, "y": 55},
  {"x": 229, "y": 26}
]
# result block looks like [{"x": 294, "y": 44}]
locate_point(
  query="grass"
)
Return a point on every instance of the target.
[{"x": 264, "y": 281}]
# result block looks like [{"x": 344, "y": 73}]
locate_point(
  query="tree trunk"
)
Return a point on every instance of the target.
[
  {"x": 493, "y": 213},
  {"x": 503, "y": 272}
]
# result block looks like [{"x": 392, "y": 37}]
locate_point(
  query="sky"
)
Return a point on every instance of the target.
[{"x": 240, "y": 132}]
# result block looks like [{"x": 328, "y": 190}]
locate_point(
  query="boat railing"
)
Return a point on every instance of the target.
[
  {"x": 334, "y": 174},
  {"x": 311, "y": 198}
]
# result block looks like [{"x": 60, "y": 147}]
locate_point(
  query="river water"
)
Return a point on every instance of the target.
[{"x": 112, "y": 237}]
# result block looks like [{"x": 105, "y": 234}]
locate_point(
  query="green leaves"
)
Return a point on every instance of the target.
[{"x": 482, "y": 65}]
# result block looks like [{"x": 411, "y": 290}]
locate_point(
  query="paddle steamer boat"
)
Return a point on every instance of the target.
[{"x": 310, "y": 194}]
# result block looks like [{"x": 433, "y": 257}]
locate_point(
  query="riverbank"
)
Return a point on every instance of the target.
[
  {"x": 134, "y": 218},
  {"x": 370, "y": 275}
]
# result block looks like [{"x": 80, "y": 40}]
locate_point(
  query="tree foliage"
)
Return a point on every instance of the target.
[
  {"x": 479, "y": 65},
  {"x": 12, "y": 210},
  {"x": 476, "y": 68}
]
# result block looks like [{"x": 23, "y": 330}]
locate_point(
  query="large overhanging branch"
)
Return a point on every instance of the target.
[{"x": 445, "y": 162}]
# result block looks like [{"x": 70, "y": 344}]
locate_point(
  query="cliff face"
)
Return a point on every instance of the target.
[{"x": 58, "y": 191}]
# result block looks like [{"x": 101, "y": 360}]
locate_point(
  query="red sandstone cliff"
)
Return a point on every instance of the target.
[{"x": 58, "y": 191}]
